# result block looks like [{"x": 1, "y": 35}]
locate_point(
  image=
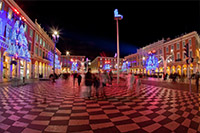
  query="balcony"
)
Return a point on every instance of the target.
[{"x": 177, "y": 60}]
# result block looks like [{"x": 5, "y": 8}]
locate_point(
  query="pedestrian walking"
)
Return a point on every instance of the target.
[
  {"x": 74, "y": 78},
  {"x": 104, "y": 78},
  {"x": 79, "y": 80},
  {"x": 130, "y": 82},
  {"x": 88, "y": 82},
  {"x": 197, "y": 80},
  {"x": 137, "y": 85},
  {"x": 110, "y": 77},
  {"x": 96, "y": 84}
]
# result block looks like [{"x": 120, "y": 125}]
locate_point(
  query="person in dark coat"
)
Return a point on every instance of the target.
[
  {"x": 79, "y": 80},
  {"x": 88, "y": 82},
  {"x": 197, "y": 81},
  {"x": 96, "y": 84},
  {"x": 74, "y": 78}
]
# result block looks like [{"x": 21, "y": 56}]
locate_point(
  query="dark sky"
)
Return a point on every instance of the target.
[{"x": 88, "y": 28}]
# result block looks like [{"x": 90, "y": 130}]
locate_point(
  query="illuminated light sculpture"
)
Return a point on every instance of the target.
[
  {"x": 151, "y": 62},
  {"x": 124, "y": 66},
  {"x": 17, "y": 44},
  {"x": 74, "y": 66}
]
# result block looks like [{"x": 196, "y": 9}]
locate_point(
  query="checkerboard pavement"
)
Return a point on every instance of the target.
[{"x": 47, "y": 107}]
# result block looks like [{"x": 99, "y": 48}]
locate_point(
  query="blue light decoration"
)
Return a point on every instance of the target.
[
  {"x": 106, "y": 67},
  {"x": 124, "y": 67},
  {"x": 15, "y": 40},
  {"x": 74, "y": 66},
  {"x": 116, "y": 15},
  {"x": 151, "y": 62},
  {"x": 57, "y": 62},
  {"x": 3, "y": 21}
]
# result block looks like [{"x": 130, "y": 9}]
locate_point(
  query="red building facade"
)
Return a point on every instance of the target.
[
  {"x": 172, "y": 52},
  {"x": 68, "y": 60},
  {"x": 104, "y": 63},
  {"x": 26, "y": 50}
]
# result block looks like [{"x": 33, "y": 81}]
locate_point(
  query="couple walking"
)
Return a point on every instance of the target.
[
  {"x": 133, "y": 82},
  {"x": 96, "y": 80}
]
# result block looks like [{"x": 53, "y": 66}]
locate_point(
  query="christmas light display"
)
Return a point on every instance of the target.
[
  {"x": 124, "y": 66},
  {"x": 15, "y": 36},
  {"x": 106, "y": 67},
  {"x": 74, "y": 66},
  {"x": 151, "y": 62}
]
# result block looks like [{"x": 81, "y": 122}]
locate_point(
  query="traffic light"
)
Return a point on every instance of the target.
[
  {"x": 187, "y": 60},
  {"x": 186, "y": 49},
  {"x": 192, "y": 59}
]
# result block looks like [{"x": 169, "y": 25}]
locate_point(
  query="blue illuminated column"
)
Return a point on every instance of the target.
[
  {"x": 117, "y": 17},
  {"x": 55, "y": 40},
  {"x": 10, "y": 68},
  {"x": 1, "y": 66}
]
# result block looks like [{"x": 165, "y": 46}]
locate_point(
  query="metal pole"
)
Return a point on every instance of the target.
[
  {"x": 117, "y": 52},
  {"x": 190, "y": 78},
  {"x": 54, "y": 62}
]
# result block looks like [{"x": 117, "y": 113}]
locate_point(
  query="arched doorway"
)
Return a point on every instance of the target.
[
  {"x": 173, "y": 69},
  {"x": 179, "y": 69},
  {"x": 161, "y": 69},
  {"x": 168, "y": 70},
  {"x": 40, "y": 68},
  {"x": 36, "y": 69},
  {"x": 191, "y": 69},
  {"x": 185, "y": 70}
]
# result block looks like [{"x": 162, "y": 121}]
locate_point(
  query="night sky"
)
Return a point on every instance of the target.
[{"x": 88, "y": 28}]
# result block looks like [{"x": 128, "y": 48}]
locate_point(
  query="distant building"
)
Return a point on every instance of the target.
[
  {"x": 105, "y": 63},
  {"x": 70, "y": 62},
  {"x": 173, "y": 48}
]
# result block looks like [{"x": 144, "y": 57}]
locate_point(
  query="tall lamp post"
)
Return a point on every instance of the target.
[
  {"x": 68, "y": 60},
  {"x": 55, "y": 40},
  {"x": 117, "y": 17},
  {"x": 143, "y": 63}
]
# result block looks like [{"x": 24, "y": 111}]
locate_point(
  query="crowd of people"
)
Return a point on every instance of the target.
[{"x": 97, "y": 82}]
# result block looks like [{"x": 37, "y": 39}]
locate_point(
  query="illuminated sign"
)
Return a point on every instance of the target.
[{"x": 116, "y": 15}]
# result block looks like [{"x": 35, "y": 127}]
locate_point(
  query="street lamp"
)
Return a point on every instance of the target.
[
  {"x": 55, "y": 40},
  {"x": 143, "y": 63},
  {"x": 67, "y": 53},
  {"x": 68, "y": 59},
  {"x": 117, "y": 17}
]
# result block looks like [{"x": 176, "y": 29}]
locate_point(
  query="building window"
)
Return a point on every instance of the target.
[
  {"x": 43, "y": 43},
  {"x": 178, "y": 55},
  {"x": 31, "y": 33},
  {"x": 40, "y": 41},
  {"x": 183, "y": 55},
  {"x": 191, "y": 54},
  {"x": 25, "y": 28},
  {"x": 36, "y": 50},
  {"x": 177, "y": 46},
  {"x": 29, "y": 46},
  {"x": 40, "y": 52},
  {"x": 167, "y": 49},
  {"x": 160, "y": 51},
  {"x": 10, "y": 12},
  {"x": 1, "y": 5},
  {"x": 190, "y": 42},
  {"x": 183, "y": 44},
  {"x": 36, "y": 37},
  {"x": 172, "y": 47}
]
